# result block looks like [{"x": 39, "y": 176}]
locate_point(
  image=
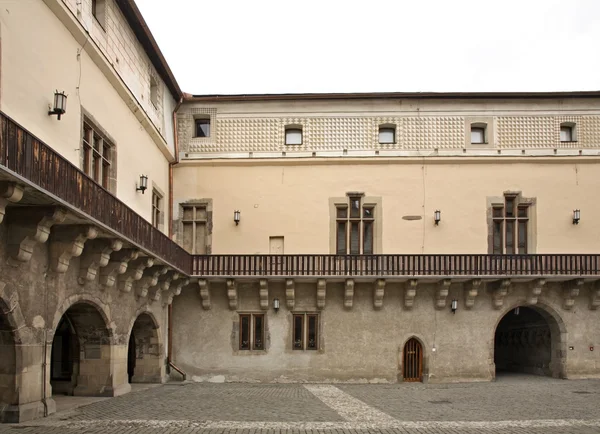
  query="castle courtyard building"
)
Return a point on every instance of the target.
[{"x": 149, "y": 235}]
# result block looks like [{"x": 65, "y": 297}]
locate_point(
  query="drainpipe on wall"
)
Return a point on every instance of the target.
[{"x": 170, "y": 307}]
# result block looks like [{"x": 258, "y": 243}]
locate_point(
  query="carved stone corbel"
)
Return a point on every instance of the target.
[
  {"x": 321, "y": 293},
  {"x": 232, "y": 294},
  {"x": 441, "y": 293},
  {"x": 535, "y": 290},
  {"x": 378, "y": 293},
  {"x": 31, "y": 229},
  {"x": 263, "y": 293},
  {"x": 410, "y": 291},
  {"x": 349, "y": 294},
  {"x": 471, "y": 291},
  {"x": 95, "y": 256},
  {"x": 149, "y": 282},
  {"x": 204, "y": 293},
  {"x": 177, "y": 285},
  {"x": 290, "y": 293},
  {"x": 595, "y": 296},
  {"x": 68, "y": 242},
  {"x": 117, "y": 264},
  {"x": 9, "y": 192},
  {"x": 168, "y": 299},
  {"x": 570, "y": 291},
  {"x": 499, "y": 292},
  {"x": 135, "y": 271},
  {"x": 165, "y": 283}
]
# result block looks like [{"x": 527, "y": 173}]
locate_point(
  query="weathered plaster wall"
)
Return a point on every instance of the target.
[
  {"x": 362, "y": 344},
  {"x": 33, "y": 67},
  {"x": 291, "y": 199}
]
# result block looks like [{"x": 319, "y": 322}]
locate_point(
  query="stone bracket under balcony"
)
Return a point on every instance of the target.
[
  {"x": 67, "y": 242},
  {"x": 117, "y": 265},
  {"x": 96, "y": 255},
  {"x": 10, "y": 192}
]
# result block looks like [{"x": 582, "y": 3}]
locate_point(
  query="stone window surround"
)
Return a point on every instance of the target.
[
  {"x": 320, "y": 339},
  {"x": 202, "y": 113},
  {"x": 374, "y": 201},
  {"x": 387, "y": 126},
  {"x": 573, "y": 127},
  {"x": 178, "y": 223},
  {"x": 532, "y": 215},
  {"x": 86, "y": 117},
  {"x": 235, "y": 338},
  {"x": 486, "y": 122},
  {"x": 293, "y": 127}
]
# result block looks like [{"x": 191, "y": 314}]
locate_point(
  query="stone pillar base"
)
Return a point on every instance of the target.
[
  {"x": 25, "y": 412},
  {"x": 148, "y": 379}
]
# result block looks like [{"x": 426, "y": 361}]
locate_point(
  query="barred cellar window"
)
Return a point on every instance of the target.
[
  {"x": 252, "y": 331},
  {"x": 306, "y": 331}
]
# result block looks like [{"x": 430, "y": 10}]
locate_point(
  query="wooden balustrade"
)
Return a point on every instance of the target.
[
  {"x": 395, "y": 265},
  {"x": 30, "y": 158}
]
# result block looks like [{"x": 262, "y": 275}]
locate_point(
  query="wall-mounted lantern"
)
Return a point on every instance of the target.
[
  {"x": 576, "y": 216},
  {"x": 143, "y": 184},
  {"x": 437, "y": 216},
  {"x": 276, "y": 305},
  {"x": 236, "y": 217},
  {"x": 60, "y": 104},
  {"x": 454, "y": 305}
]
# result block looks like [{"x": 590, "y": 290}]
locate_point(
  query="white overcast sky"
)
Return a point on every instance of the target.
[{"x": 280, "y": 46}]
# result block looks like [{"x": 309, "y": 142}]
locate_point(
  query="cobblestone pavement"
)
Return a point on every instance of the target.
[{"x": 518, "y": 404}]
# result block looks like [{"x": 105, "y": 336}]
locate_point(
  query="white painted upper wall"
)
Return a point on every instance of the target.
[{"x": 42, "y": 51}]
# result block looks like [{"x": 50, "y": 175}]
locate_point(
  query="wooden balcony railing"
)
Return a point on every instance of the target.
[
  {"x": 395, "y": 265},
  {"x": 28, "y": 157}
]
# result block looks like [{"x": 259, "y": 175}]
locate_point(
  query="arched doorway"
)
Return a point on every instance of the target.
[
  {"x": 80, "y": 357},
  {"x": 530, "y": 340},
  {"x": 144, "y": 356},
  {"x": 8, "y": 391},
  {"x": 412, "y": 361}
]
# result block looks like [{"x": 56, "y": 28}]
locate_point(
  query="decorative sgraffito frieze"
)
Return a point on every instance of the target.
[
  {"x": 441, "y": 293},
  {"x": 570, "y": 291},
  {"x": 595, "y": 296},
  {"x": 263, "y": 293},
  {"x": 204, "y": 293},
  {"x": 118, "y": 263},
  {"x": 95, "y": 256},
  {"x": 135, "y": 271},
  {"x": 290, "y": 293},
  {"x": 535, "y": 290},
  {"x": 349, "y": 293},
  {"x": 410, "y": 292},
  {"x": 232, "y": 294},
  {"x": 10, "y": 192},
  {"x": 35, "y": 228},
  {"x": 321, "y": 293},
  {"x": 471, "y": 291},
  {"x": 68, "y": 242},
  {"x": 431, "y": 132},
  {"x": 378, "y": 293},
  {"x": 499, "y": 293}
]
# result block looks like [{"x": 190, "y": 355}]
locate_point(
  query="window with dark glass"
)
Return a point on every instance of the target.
[
  {"x": 354, "y": 227},
  {"x": 252, "y": 331},
  {"x": 509, "y": 226},
  {"x": 97, "y": 155},
  {"x": 305, "y": 331},
  {"x": 156, "y": 208},
  {"x": 202, "y": 127}
]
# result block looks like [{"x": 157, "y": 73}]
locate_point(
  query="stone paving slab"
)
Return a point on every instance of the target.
[
  {"x": 508, "y": 407},
  {"x": 501, "y": 400}
]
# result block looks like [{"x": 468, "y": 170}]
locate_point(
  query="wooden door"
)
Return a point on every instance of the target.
[{"x": 412, "y": 366}]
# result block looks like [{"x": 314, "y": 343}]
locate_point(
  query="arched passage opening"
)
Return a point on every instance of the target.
[
  {"x": 8, "y": 390},
  {"x": 80, "y": 361},
  {"x": 144, "y": 356},
  {"x": 530, "y": 340}
]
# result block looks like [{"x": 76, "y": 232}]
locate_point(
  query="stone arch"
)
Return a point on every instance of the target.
[
  {"x": 421, "y": 341},
  {"x": 145, "y": 349},
  {"x": 531, "y": 336},
  {"x": 101, "y": 308},
  {"x": 8, "y": 363},
  {"x": 81, "y": 355},
  {"x": 11, "y": 309}
]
